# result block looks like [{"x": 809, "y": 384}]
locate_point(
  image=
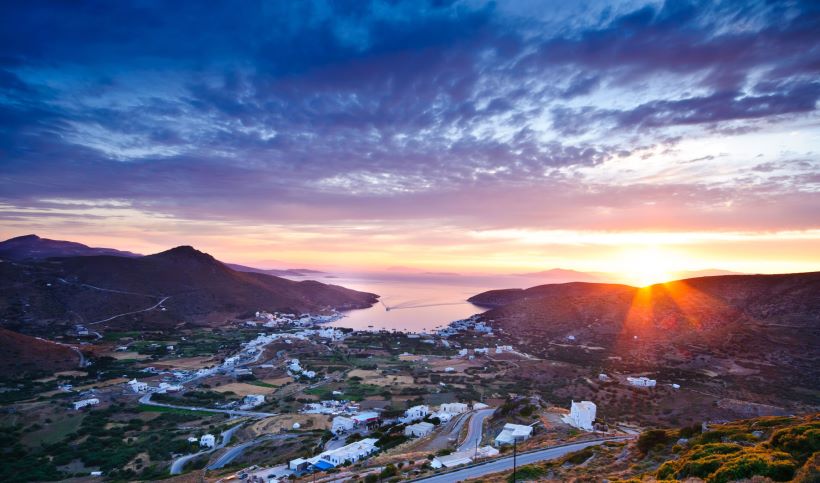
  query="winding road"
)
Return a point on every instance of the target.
[
  {"x": 179, "y": 464},
  {"x": 236, "y": 451},
  {"x": 475, "y": 429},
  {"x": 506, "y": 463},
  {"x": 131, "y": 313},
  {"x": 146, "y": 399}
]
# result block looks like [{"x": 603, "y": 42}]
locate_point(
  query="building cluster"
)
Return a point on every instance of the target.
[
  {"x": 277, "y": 319},
  {"x": 140, "y": 387},
  {"x": 295, "y": 369},
  {"x": 330, "y": 406},
  {"x": 251, "y": 401},
  {"x": 347, "y": 424},
  {"x": 499, "y": 349},
  {"x": 641, "y": 381},
  {"x": 473, "y": 324},
  {"x": 85, "y": 402},
  {"x": 347, "y": 454}
]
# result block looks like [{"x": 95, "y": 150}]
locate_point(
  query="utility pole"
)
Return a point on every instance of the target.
[{"x": 515, "y": 455}]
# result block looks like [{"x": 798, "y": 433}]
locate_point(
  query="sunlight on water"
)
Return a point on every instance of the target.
[{"x": 414, "y": 306}]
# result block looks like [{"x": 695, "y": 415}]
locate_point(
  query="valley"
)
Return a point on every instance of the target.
[{"x": 175, "y": 367}]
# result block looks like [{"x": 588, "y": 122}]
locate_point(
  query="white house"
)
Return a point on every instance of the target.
[
  {"x": 482, "y": 350},
  {"x": 207, "y": 441},
  {"x": 299, "y": 464},
  {"x": 500, "y": 349},
  {"x": 512, "y": 433},
  {"x": 294, "y": 365},
  {"x": 449, "y": 369},
  {"x": 165, "y": 387},
  {"x": 342, "y": 424},
  {"x": 582, "y": 415},
  {"x": 415, "y": 413},
  {"x": 365, "y": 417},
  {"x": 479, "y": 405},
  {"x": 463, "y": 352},
  {"x": 419, "y": 430},
  {"x": 231, "y": 361},
  {"x": 452, "y": 460},
  {"x": 453, "y": 408},
  {"x": 252, "y": 400},
  {"x": 352, "y": 452},
  {"x": 137, "y": 386},
  {"x": 86, "y": 402},
  {"x": 641, "y": 381}
]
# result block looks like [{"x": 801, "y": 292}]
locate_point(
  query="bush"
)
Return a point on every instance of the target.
[
  {"x": 388, "y": 471},
  {"x": 799, "y": 441},
  {"x": 651, "y": 438},
  {"x": 528, "y": 472}
]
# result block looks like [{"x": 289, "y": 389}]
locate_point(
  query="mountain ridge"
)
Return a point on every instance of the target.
[{"x": 31, "y": 246}]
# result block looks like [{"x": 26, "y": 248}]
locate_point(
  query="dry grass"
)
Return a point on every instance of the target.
[
  {"x": 377, "y": 379},
  {"x": 276, "y": 424},
  {"x": 243, "y": 389}
]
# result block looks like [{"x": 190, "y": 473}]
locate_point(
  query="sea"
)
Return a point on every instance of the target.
[{"x": 416, "y": 302}]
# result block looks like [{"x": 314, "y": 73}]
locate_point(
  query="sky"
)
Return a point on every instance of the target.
[{"x": 465, "y": 136}]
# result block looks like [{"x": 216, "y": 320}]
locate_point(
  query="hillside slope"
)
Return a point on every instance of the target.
[
  {"x": 32, "y": 247},
  {"x": 21, "y": 354},
  {"x": 198, "y": 288},
  {"x": 756, "y": 331}
]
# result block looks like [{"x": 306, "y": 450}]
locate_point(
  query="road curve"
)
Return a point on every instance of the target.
[
  {"x": 506, "y": 463},
  {"x": 475, "y": 428},
  {"x": 131, "y": 313},
  {"x": 179, "y": 464},
  {"x": 236, "y": 451}
]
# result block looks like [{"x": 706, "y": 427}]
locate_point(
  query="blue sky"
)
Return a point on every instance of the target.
[{"x": 467, "y": 135}]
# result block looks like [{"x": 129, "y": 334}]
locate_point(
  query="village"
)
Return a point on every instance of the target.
[{"x": 284, "y": 397}]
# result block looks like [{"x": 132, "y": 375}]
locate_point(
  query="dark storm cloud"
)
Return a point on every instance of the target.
[{"x": 168, "y": 104}]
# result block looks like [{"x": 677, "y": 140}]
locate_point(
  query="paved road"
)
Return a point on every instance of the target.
[
  {"x": 236, "y": 451},
  {"x": 179, "y": 464},
  {"x": 146, "y": 399},
  {"x": 506, "y": 463},
  {"x": 475, "y": 429},
  {"x": 131, "y": 313},
  {"x": 447, "y": 434}
]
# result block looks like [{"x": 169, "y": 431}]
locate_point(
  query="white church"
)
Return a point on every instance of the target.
[{"x": 582, "y": 415}]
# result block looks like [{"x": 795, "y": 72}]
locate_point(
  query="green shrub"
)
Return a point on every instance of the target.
[
  {"x": 799, "y": 441},
  {"x": 651, "y": 438}
]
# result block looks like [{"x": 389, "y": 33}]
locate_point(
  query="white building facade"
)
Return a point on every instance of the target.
[
  {"x": 582, "y": 415},
  {"x": 641, "y": 381},
  {"x": 513, "y": 433},
  {"x": 419, "y": 430}
]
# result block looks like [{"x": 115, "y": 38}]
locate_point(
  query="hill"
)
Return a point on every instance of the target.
[
  {"x": 751, "y": 333},
  {"x": 181, "y": 285},
  {"x": 286, "y": 272},
  {"x": 769, "y": 448},
  {"x": 32, "y": 247},
  {"x": 21, "y": 354}
]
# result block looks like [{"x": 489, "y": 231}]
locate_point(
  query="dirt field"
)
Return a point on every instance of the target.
[
  {"x": 376, "y": 378},
  {"x": 128, "y": 355},
  {"x": 187, "y": 362},
  {"x": 243, "y": 389},
  {"x": 285, "y": 422},
  {"x": 279, "y": 381}
]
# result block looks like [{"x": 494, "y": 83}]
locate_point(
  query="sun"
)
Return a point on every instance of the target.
[{"x": 647, "y": 266}]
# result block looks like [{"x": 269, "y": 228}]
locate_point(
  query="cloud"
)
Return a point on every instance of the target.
[{"x": 309, "y": 112}]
